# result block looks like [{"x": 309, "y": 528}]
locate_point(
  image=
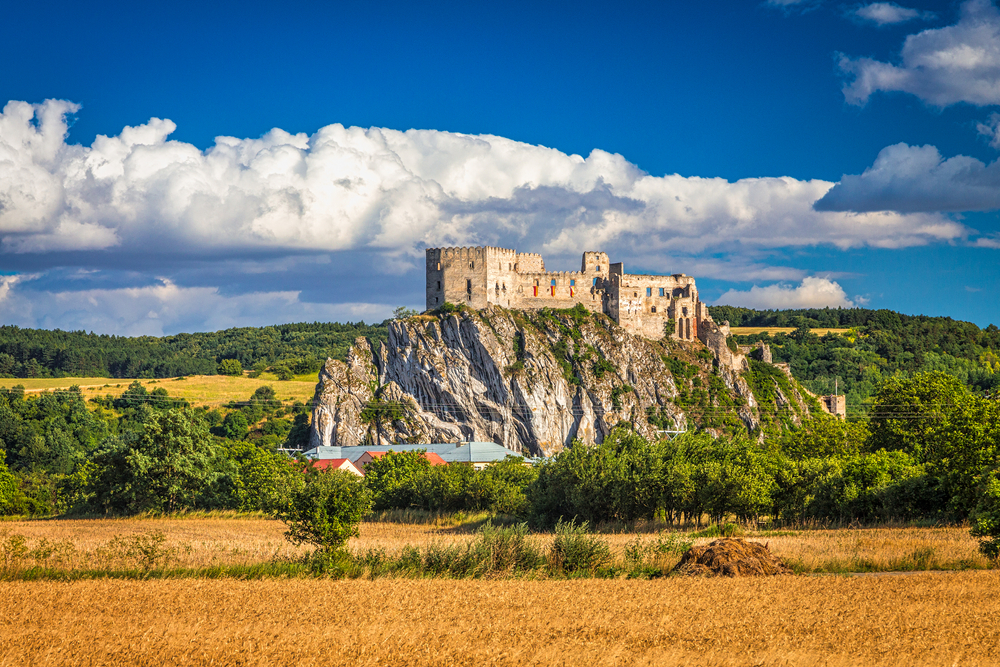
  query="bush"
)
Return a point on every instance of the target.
[
  {"x": 986, "y": 518},
  {"x": 326, "y": 510},
  {"x": 504, "y": 549},
  {"x": 230, "y": 367},
  {"x": 574, "y": 550}
]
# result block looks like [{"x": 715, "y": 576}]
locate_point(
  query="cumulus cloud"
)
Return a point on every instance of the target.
[
  {"x": 345, "y": 189},
  {"x": 812, "y": 292},
  {"x": 163, "y": 308},
  {"x": 942, "y": 66},
  {"x": 889, "y": 13},
  {"x": 916, "y": 178}
]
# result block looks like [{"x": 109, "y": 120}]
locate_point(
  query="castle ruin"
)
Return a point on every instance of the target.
[{"x": 646, "y": 305}]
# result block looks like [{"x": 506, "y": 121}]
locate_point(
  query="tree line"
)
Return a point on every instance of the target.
[
  {"x": 28, "y": 353},
  {"x": 878, "y": 345}
]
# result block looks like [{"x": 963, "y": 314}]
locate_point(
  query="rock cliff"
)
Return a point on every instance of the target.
[{"x": 531, "y": 381}]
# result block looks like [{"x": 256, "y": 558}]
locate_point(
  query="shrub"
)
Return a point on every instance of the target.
[
  {"x": 986, "y": 518},
  {"x": 326, "y": 511},
  {"x": 504, "y": 549},
  {"x": 574, "y": 550},
  {"x": 230, "y": 367}
]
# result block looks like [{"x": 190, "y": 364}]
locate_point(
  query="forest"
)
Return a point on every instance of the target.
[
  {"x": 878, "y": 344},
  {"x": 30, "y": 353}
]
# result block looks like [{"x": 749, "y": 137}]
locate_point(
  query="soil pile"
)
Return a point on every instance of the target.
[{"x": 731, "y": 557}]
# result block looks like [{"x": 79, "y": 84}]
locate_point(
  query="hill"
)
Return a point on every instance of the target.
[
  {"x": 302, "y": 347},
  {"x": 872, "y": 345}
]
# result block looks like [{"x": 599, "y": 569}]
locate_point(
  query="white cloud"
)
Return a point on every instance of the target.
[
  {"x": 889, "y": 13},
  {"x": 942, "y": 66},
  {"x": 916, "y": 178},
  {"x": 165, "y": 308},
  {"x": 812, "y": 292},
  {"x": 789, "y": 6},
  {"x": 390, "y": 192},
  {"x": 991, "y": 129}
]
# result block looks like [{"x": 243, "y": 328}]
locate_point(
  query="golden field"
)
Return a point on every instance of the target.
[
  {"x": 228, "y": 540},
  {"x": 207, "y": 390},
  {"x": 921, "y": 619}
]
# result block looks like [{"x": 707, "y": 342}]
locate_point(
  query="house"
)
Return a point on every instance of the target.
[
  {"x": 370, "y": 456},
  {"x": 337, "y": 464},
  {"x": 479, "y": 454}
]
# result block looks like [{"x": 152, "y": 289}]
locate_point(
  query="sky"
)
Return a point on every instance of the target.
[{"x": 183, "y": 166}]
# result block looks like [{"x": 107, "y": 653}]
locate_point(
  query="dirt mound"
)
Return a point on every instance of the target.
[{"x": 731, "y": 557}]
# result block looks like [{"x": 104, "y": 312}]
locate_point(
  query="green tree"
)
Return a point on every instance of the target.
[
  {"x": 387, "y": 477},
  {"x": 173, "y": 464},
  {"x": 235, "y": 425},
  {"x": 986, "y": 517},
  {"x": 230, "y": 367},
  {"x": 326, "y": 510},
  {"x": 403, "y": 312},
  {"x": 264, "y": 480}
]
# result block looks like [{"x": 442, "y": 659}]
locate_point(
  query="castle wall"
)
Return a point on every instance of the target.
[{"x": 642, "y": 304}]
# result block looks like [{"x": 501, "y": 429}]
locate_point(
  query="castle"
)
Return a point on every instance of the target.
[{"x": 646, "y": 305}]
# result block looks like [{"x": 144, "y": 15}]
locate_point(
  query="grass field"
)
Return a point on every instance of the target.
[
  {"x": 923, "y": 619},
  {"x": 227, "y": 540},
  {"x": 747, "y": 331},
  {"x": 208, "y": 390}
]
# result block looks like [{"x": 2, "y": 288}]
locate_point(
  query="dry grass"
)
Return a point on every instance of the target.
[
  {"x": 201, "y": 542},
  {"x": 924, "y": 619},
  {"x": 747, "y": 331},
  {"x": 208, "y": 390}
]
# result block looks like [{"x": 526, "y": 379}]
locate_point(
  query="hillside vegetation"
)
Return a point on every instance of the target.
[
  {"x": 299, "y": 348},
  {"x": 876, "y": 345}
]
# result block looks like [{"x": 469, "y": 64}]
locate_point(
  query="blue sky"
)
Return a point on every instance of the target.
[{"x": 785, "y": 153}]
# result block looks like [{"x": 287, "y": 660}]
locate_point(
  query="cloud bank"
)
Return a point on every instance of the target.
[
  {"x": 812, "y": 292},
  {"x": 941, "y": 66},
  {"x": 394, "y": 192},
  {"x": 916, "y": 178}
]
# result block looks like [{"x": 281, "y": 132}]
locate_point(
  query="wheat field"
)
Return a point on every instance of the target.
[
  {"x": 207, "y": 390},
  {"x": 921, "y": 619},
  {"x": 228, "y": 540}
]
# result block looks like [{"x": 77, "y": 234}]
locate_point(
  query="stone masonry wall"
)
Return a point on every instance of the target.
[{"x": 641, "y": 304}]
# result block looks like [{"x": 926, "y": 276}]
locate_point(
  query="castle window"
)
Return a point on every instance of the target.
[
  {"x": 661, "y": 291},
  {"x": 439, "y": 284},
  {"x": 536, "y": 283},
  {"x": 595, "y": 282},
  {"x": 649, "y": 291},
  {"x": 597, "y": 268},
  {"x": 553, "y": 283},
  {"x": 653, "y": 309},
  {"x": 472, "y": 265},
  {"x": 468, "y": 286},
  {"x": 685, "y": 311},
  {"x": 572, "y": 283},
  {"x": 435, "y": 300}
]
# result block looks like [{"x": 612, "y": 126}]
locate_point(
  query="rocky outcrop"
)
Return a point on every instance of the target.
[{"x": 531, "y": 381}]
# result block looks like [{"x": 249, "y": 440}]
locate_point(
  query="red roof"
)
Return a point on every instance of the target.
[
  {"x": 323, "y": 464},
  {"x": 431, "y": 457}
]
